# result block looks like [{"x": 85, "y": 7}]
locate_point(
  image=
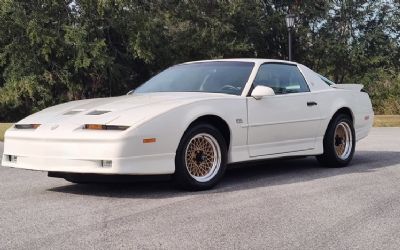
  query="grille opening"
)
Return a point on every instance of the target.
[
  {"x": 11, "y": 158},
  {"x": 106, "y": 164}
]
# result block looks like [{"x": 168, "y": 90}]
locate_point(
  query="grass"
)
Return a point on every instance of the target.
[
  {"x": 380, "y": 121},
  {"x": 387, "y": 121},
  {"x": 3, "y": 128}
]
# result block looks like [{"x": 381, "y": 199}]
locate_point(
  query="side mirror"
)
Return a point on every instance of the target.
[{"x": 261, "y": 91}]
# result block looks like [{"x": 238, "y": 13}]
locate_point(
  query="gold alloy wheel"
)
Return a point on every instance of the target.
[
  {"x": 203, "y": 157},
  {"x": 343, "y": 141}
]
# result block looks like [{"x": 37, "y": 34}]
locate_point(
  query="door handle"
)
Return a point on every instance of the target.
[{"x": 309, "y": 104}]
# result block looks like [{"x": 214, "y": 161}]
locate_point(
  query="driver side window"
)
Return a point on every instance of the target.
[{"x": 282, "y": 78}]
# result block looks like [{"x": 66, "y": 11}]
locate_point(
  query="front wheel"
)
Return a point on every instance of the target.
[
  {"x": 201, "y": 157},
  {"x": 339, "y": 142}
]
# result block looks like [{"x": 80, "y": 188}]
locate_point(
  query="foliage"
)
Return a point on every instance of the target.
[
  {"x": 3, "y": 128},
  {"x": 55, "y": 51},
  {"x": 387, "y": 121}
]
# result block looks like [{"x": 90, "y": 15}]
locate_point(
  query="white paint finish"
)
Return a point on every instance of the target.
[
  {"x": 349, "y": 86},
  {"x": 137, "y": 165},
  {"x": 274, "y": 126},
  {"x": 262, "y": 91},
  {"x": 314, "y": 81},
  {"x": 282, "y": 123}
]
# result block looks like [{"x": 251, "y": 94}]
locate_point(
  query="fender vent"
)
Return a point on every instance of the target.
[{"x": 98, "y": 112}]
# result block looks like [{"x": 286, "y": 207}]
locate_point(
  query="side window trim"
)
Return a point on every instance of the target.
[{"x": 282, "y": 63}]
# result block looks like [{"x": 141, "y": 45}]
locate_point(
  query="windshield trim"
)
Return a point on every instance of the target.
[{"x": 251, "y": 66}]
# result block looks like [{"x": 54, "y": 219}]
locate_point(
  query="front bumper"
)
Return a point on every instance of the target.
[
  {"x": 86, "y": 155},
  {"x": 140, "y": 165}
]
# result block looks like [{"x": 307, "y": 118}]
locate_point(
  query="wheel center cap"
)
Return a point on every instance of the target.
[
  {"x": 200, "y": 157},
  {"x": 338, "y": 141}
]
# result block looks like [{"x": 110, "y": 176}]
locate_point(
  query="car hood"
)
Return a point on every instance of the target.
[{"x": 122, "y": 110}]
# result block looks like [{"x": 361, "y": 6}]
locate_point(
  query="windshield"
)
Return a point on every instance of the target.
[{"x": 211, "y": 77}]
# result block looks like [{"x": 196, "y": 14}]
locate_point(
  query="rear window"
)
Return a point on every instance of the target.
[{"x": 326, "y": 80}]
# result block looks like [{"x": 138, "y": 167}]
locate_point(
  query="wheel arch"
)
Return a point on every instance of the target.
[
  {"x": 217, "y": 122},
  {"x": 328, "y": 156},
  {"x": 343, "y": 110}
]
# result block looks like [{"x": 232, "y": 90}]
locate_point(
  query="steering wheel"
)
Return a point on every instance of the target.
[{"x": 230, "y": 88}]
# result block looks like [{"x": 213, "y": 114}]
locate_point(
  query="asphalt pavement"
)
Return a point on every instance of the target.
[{"x": 291, "y": 204}]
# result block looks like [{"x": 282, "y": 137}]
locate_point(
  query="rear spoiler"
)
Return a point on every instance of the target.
[{"x": 348, "y": 86}]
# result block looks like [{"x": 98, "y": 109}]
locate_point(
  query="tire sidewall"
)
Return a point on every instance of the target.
[
  {"x": 329, "y": 140},
  {"x": 182, "y": 176}
]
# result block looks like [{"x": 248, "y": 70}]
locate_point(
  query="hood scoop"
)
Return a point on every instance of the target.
[{"x": 98, "y": 112}]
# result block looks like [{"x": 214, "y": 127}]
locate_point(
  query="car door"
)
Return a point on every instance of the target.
[{"x": 286, "y": 122}]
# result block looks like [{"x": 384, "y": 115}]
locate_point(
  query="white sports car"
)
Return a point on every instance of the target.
[{"x": 194, "y": 118}]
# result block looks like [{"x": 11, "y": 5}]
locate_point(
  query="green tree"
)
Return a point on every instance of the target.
[{"x": 55, "y": 51}]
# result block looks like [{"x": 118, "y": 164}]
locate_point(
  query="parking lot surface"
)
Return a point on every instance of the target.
[{"x": 286, "y": 204}]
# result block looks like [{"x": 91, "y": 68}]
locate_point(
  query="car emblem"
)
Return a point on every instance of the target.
[{"x": 54, "y": 127}]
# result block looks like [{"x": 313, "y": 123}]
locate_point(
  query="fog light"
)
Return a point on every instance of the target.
[
  {"x": 106, "y": 164},
  {"x": 12, "y": 158}
]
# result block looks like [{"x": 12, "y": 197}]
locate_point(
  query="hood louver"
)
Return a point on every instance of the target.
[
  {"x": 97, "y": 112},
  {"x": 72, "y": 112}
]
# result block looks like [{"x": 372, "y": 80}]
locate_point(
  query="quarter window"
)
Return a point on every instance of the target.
[{"x": 282, "y": 78}]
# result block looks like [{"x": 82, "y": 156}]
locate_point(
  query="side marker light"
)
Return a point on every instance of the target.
[{"x": 149, "y": 140}]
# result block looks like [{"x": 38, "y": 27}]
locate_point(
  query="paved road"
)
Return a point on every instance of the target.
[{"x": 279, "y": 205}]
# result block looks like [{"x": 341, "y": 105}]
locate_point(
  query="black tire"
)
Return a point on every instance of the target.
[
  {"x": 330, "y": 157},
  {"x": 182, "y": 176}
]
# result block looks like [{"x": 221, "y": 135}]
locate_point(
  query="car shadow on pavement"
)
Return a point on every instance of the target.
[
  {"x": 241, "y": 177},
  {"x": 282, "y": 172}
]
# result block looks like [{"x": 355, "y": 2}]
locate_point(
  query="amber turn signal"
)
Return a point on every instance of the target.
[
  {"x": 104, "y": 127},
  {"x": 149, "y": 140},
  {"x": 94, "y": 126}
]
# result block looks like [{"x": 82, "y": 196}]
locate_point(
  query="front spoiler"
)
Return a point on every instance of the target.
[
  {"x": 105, "y": 178},
  {"x": 139, "y": 165}
]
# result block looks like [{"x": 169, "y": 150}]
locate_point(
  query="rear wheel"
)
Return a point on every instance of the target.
[
  {"x": 339, "y": 142},
  {"x": 201, "y": 157}
]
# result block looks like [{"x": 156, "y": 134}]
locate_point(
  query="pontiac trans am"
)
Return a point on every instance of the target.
[{"x": 193, "y": 119}]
